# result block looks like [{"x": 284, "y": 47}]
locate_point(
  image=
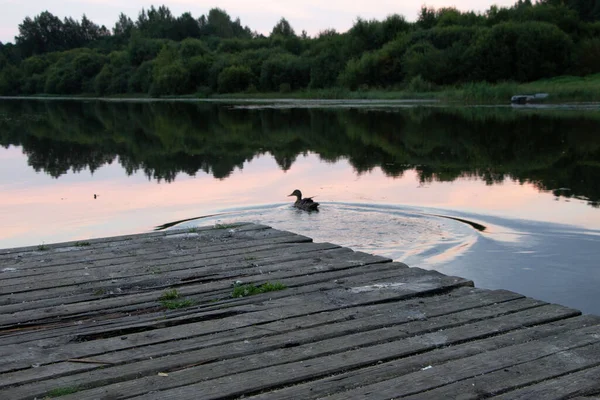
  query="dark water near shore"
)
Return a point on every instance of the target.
[{"x": 410, "y": 182}]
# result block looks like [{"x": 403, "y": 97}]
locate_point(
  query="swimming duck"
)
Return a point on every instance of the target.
[{"x": 306, "y": 203}]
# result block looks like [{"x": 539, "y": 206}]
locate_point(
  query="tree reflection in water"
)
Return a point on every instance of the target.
[{"x": 553, "y": 150}]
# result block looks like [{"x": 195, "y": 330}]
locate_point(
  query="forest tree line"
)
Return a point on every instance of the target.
[{"x": 160, "y": 54}]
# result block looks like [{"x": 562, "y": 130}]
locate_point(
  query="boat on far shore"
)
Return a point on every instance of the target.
[{"x": 528, "y": 98}]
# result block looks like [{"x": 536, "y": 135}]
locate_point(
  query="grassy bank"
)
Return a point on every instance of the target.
[{"x": 561, "y": 89}]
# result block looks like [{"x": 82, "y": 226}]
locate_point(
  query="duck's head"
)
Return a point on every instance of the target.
[{"x": 296, "y": 193}]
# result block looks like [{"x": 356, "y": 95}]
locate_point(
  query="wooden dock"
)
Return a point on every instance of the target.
[{"x": 90, "y": 320}]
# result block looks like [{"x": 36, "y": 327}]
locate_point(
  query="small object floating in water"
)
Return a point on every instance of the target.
[{"x": 306, "y": 203}]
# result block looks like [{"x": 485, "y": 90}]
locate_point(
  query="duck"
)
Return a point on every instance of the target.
[{"x": 306, "y": 203}]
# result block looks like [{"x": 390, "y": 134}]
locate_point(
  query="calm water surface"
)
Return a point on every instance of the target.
[{"x": 391, "y": 180}]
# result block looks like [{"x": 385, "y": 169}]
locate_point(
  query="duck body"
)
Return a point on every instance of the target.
[{"x": 306, "y": 203}]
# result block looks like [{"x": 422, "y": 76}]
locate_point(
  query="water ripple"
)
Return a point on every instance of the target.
[{"x": 400, "y": 233}]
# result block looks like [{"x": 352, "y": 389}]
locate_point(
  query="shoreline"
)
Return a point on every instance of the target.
[
  {"x": 290, "y": 102},
  {"x": 560, "y": 90}
]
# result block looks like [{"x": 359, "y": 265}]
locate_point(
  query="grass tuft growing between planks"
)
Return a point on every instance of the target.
[
  {"x": 243, "y": 290},
  {"x": 172, "y": 300}
]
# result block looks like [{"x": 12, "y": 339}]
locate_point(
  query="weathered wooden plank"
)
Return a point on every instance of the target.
[
  {"x": 203, "y": 233},
  {"x": 347, "y": 380},
  {"x": 576, "y": 384},
  {"x": 517, "y": 376},
  {"x": 459, "y": 299},
  {"x": 66, "y": 285},
  {"x": 154, "y": 255},
  {"x": 469, "y": 367},
  {"x": 405, "y": 283},
  {"x": 276, "y": 349},
  {"x": 336, "y": 297},
  {"x": 431, "y": 315},
  {"x": 182, "y": 251},
  {"x": 9, "y": 253},
  {"x": 365, "y": 358},
  {"x": 325, "y": 273},
  {"x": 125, "y": 321},
  {"x": 211, "y": 291},
  {"x": 231, "y": 259},
  {"x": 259, "y": 379},
  {"x": 166, "y": 259},
  {"x": 293, "y": 262}
]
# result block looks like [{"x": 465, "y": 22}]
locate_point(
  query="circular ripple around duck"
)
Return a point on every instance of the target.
[{"x": 403, "y": 234}]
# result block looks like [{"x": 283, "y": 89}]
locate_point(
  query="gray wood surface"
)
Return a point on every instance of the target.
[{"x": 87, "y": 318}]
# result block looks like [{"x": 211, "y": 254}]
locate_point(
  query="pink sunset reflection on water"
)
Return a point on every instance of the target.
[{"x": 37, "y": 208}]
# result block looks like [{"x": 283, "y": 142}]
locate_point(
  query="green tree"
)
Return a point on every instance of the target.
[
  {"x": 588, "y": 10},
  {"x": 142, "y": 49},
  {"x": 587, "y": 56},
  {"x": 521, "y": 51},
  {"x": 393, "y": 26},
  {"x": 423, "y": 59},
  {"x": 123, "y": 27},
  {"x": 115, "y": 75},
  {"x": 235, "y": 79},
  {"x": 191, "y": 47},
  {"x": 379, "y": 68},
  {"x": 35, "y": 65},
  {"x": 327, "y": 59},
  {"x": 199, "y": 67},
  {"x": 10, "y": 80},
  {"x": 156, "y": 23},
  {"x": 284, "y": 69},
  {"x": 427, "y": 18},
  {"x": 142, "y": 78},
  {"x": 364, "y": 36},
  {"x": 170, "y": 77},
  {"x": 218, "y": 23},
  {"x": 42, "y": 34},
  {"x": 185, "y": 26},
  {"x": 283, "y": 28}
]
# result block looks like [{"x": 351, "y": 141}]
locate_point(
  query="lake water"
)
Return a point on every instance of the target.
[{"x": 409, "y": 181}]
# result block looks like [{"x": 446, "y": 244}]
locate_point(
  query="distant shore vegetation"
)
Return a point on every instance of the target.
[{"x": 446, "y": 52}]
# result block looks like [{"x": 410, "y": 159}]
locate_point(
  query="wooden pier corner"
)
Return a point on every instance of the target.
[{"x": 249, "y": 311}]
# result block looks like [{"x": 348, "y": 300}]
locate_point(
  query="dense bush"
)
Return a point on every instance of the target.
[
  {"x": 522, "y": 52},
  {"x": 10, "y": 80},
  {"x": 284, "y": 69},
  {"x": 235, "y": 79},
  {"x": 142, "y": 78},
  {"x": 170, "y": 76},
  {"x": 192, "y": 47},
  {"x": 198, "y": 67},
  {"x": 327, "y": 60},
  {"x": 141, "y": 49},
  {"x": 115, "y": 75},
  {"x": 587, "y": 56}
]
